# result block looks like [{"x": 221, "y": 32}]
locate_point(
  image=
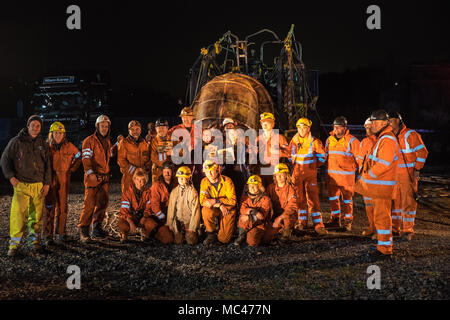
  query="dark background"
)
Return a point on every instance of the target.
[{"x": 149, "y": 48}]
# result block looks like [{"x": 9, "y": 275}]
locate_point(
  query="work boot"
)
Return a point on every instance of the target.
[
  {"x": 376, "y": 255},
  {"x": 123, "y": 238},
  {"x": 178, "y": 237},
  {"x": 13, "y": 251},
  {"x": 299, "y": 226},
  {"x": 395, "y": 233},
  {"x": 98, "y": 232},
  {"x": 84, "y": 234},
  {"x": 347, "y": 225},
  {"x": 374, "y": 236},
  {"x": 210, "y": 238},
  {"x": 368, "y": 233},
  {"x": 285, "y": 235},
  {"x": 334, "y": 223},
  {"x": 47, "y": 241},
  {"x": 321, "y": 231},
  {"x": 241, "y": 237},
  {"x": 60, "y": 238}
]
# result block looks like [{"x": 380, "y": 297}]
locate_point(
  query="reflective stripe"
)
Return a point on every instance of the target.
[
  {"x": 125, "y": 202},
  {"x": 317, "y": 220},
  {"x": 371, "y": 174},
  {"x": 302, "y": 211},
  {"x": 160, "y": 215},
  {"x": 348, "y": 215},
  {"x": 386, "y": 163},
  {"x": 396, "y": 210},
  {"x": 367, "y": 198},
  {"x": 321, "y": 155},
  {"x": 205, "y": 192},
  {"x": 315, "y": 214},
  {"x": 340, "y": 152},
  {"x": 305, "y": 162},
  {"x": 384, "y": 243},
  {"x": 16, "y": 239},
  {"x": 77, "y": 155},
  {"x": 89, "y": 171},
  {"x": 341, "y": 172},
  {"x": 420, "y": 159},
  {"x": 397, "y": 217},
  {"x": 412, "y": 213},
  {"x": 419, "y": 147},
  {"x": 302, "y": 218},
  {"x": 334, "y": 198},
  {"x": 49, "y": 206},
  {"x": 148, "y": 202},
  {"x": 408, "y": 219},
  {"x": 407, "y": 165},
  {"x": 336, "y": 212},
  {"x": 321, "y": 159},
  {"x": 350, "y": 144},
  {"x": 380, "y": 182},
  {"x": 380, "y": 231},
  {"x": 303, "y": 155},
  {"x": 125, "y": 206},
  {"x": 348, "y": 201}
]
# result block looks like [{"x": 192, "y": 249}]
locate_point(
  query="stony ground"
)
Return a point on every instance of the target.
[{"x": 309, "y": 267}]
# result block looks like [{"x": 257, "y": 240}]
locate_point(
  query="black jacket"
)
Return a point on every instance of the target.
[{"x": 27, "y": 159}]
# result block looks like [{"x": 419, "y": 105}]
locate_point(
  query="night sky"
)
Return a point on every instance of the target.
[{"x": 152, "y": 47}]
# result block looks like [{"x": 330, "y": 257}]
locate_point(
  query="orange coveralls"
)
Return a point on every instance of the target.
[
  {"x": 365, "y": 147},
  {"x": 341, "y": 167},
  {"x": 65, "y": 160},
  {"x": 158, "y": 156},
  {"x": 213, "y": 217},
  {"x": 378, "y": 181},
  {"x": 95, "y": 161},
  {"x": 131, "y": 156},
  {"x": 255, "y": 228},
  {"x": 307, "y": 154},
  {"x": 413, "y": 155}
]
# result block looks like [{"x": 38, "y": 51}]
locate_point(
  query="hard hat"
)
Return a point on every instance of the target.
[
  {"x": 102, "y": 118},
  {"x": 209, "y": 165},
  {"x": 368, "y": 121},
  {"x": 303, "y": 122},
  {"x": 281, "y": 167},
  {"x": 134, "y": 123},
  {"x": 266, "y": 116},
  {"x": 161, "y": 122},
  {"x": 57, "y": 127},
  {"x": 167, "y": 165},
  {"x": 254, "y": 180},
  {"x": 187, "y": 111},
  {"x": 183, "y": 172},
  {"x": 379, "y": 115},
  {"x": 395, "y": 115},
  {"x": 340, "y": 121},
  {"x": 228, "y": 121}
]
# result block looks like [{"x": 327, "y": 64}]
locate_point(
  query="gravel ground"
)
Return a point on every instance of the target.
[{"x": 309, "y": 267}]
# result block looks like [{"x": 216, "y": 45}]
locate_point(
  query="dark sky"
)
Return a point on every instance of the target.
[{"x": 152, "y": 46}]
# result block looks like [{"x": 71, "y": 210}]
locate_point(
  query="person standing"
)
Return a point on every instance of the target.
[
  {"x": 160, "y": 148},
  {"x": 65, "y": 159},
  {"x": 96, "y": 154},
  {"x": 342, "y": 152},
  {"x": 378, "y": 181},
  {"x": 411, "y": 160},
  {"x": 26, "y": 164}
]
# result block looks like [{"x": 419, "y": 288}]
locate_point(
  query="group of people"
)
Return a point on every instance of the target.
[{"x": 169, "y": 202}]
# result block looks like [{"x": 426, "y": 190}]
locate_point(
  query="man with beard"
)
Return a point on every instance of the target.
[{"x": 95, "y": 157}]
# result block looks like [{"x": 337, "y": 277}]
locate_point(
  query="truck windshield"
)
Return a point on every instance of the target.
[{"x": 57, "y": 101}]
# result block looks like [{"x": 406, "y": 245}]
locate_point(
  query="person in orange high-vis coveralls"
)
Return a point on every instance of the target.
[
  {"x": 342, "y": 151},
  {"x": 160, "y": 148},
  {"x": 411, "y": 160},
  {"x": 255, "y": 211},
  {"x": 95, "y": 157},
  {"x": 378, "y": 180},
  {"x": 308, "y": 153},
  {"x": 218, "y": 201},
  {"x": 66, "y": 159},
  {"x": 133, "y": 153},
  {"x": 365, "y": 147}
]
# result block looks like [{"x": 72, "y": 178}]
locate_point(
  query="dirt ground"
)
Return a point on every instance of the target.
[{"x": 309, "y": 267}]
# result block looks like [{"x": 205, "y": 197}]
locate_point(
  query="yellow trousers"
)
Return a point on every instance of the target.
[{"x": 26, "y": 211}]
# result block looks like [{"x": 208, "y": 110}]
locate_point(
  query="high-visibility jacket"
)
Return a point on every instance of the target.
[
  {"x": 133, "y": 154},
  {"x": 160, "y": 198},
  {"x": 157, "y": 151},
  {"x": 365, "y": 147},
  {"x": 307, "y": 154},
  {"x": 264, "y": 146},
  {"x": 380, "y": 169},
  {"x": 225, "y": 192},
  {"x": 95, "y": 158},
  {"x": 261, "y": 205},
  {"x": 341, "y": 159},
  {"x": 131, "y": 207},
  {"x": 65, "y": 158},
  {"x": 413, "y": 152},
  {"x": 284, "y": 200},
  {"x": 183, "y": 127}
]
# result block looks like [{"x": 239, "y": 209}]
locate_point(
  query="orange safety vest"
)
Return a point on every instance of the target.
[
  {"x": 307, "y": 154},
  {"x": 413, "y": 152},
  {"x": 364, "y": 148}
]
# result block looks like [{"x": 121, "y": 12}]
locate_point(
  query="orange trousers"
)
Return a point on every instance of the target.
[
  {"x": 346, "y": 192},
  {"x": 56, "y": 204},
  {"x": 94, "y": 206},
  {"x": 308, "y": 201},
  {"x": 404, "y": 207},
  {"x": 214, "y": 219},
  {"x": 369, "y": 211},
  {"x": 163, "y": 234},
  {"x": 383, "y": 224}
]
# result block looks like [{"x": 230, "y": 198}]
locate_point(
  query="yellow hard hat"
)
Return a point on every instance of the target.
[
  {"x": 57, "y": 127},
  {"x": 281, "y": 167},
  {"x": 266, "y": 115},
  {"x": 187, "y": 111},
  {"x": 183, "y": 172},
  {"x": 254, "y": 180},
  {"x": 134, "y": 123},
  {"x": 209, "y": 165},
  {"x": 304, "y": 122}
]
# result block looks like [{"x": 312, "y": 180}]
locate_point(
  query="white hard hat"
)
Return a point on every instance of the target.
[
  {"x": 102, "y": 118},
  {"x": 368, "y": 121},
  {"x": 227, "y": 121}
]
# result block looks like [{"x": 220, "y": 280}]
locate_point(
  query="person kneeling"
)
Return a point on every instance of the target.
[
  {"x": 183, "y": 213},
  {"x": 254, "y": 213}
]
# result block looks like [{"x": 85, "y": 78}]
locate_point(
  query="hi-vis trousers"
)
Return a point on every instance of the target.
[{"x": 26, "y": 211}]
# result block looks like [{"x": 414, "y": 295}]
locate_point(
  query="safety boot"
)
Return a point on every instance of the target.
[
  {"x": 347, "y": 225},
  {"x": 210, "y": 238},
  {"x": 60, "y": 238},
  {"x": 241, "y": 237},
  {"x": 13, "y": 251},
  {"x": 123, "y": 238},
  {"x": 285, "y": 235},
  {"x": 368, "y": 233},
  {"x": 321, "y": 231},
  {"x": 98, "y": 232},
  {"x": 334, "y": 223},
  {"x": 84, "y": 234}
]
